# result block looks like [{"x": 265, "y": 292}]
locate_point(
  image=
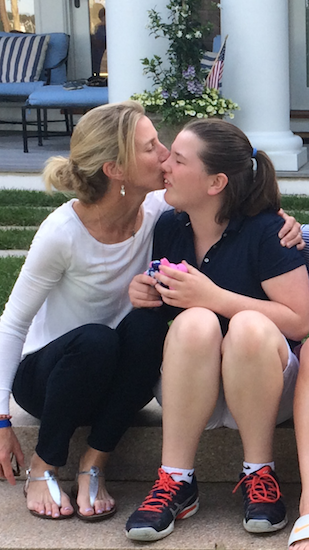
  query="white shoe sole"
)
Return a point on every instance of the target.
[
  {"x": 263, "y": 526},
  {"x": 148, "y": 533}
]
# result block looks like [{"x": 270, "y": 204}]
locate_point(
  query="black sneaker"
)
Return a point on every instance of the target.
[
  {"x": 167, "y": 501},
  {"x": 264, "y": 508}
]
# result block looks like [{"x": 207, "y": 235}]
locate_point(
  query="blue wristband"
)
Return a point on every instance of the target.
[{"x": 5, "y": 423}]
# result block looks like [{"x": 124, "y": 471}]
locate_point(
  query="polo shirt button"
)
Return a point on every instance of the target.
[
  {"x": 206, "y": 260},
  {"x": 224, "y": 234}
]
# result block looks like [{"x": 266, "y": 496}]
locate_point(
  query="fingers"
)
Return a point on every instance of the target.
[
  {"x": 7, "y": 471},
  {"x": 19, "y": 457},
  {"x": 293, "y": 238},
  {"x": 9, "y": 446}
]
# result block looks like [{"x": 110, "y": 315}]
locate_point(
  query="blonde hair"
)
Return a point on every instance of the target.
[{"x": 104, "y": 134}]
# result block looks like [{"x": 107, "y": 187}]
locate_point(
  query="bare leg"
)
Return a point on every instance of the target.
[
  {"x": 104, "y": 501},
  {"x": 38, "y": 496},
  {"x": 190, "y": 383},
  {"x": 301, "y": 422},
  {"x": 254, "y": 357}
]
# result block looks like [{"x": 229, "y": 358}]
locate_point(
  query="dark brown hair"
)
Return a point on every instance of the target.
[{"x": 226, "y": 149}]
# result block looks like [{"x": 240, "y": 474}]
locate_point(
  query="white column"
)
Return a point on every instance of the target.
[
  {"x": 128, "y": 41},
  {"x": 256, "y": 76}
]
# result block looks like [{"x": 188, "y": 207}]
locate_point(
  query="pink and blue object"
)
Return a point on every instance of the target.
[{"x": 154, "y": 266}]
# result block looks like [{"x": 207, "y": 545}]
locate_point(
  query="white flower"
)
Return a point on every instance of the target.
[
  {"x": 179, "y": 34},
  {"x": 189, "y": 36},
  {"x": 199, "y": 115},
  {"x": 198, "y": 34}
]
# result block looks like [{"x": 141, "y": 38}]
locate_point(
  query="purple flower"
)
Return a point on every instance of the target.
[
  {"x": 195, "y": 87},
  {"x": 165, "y": 94},
  {"x": 189, "y": 73}
]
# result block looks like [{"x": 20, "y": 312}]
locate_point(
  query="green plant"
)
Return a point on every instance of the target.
[{"x": 180, "y": 91}]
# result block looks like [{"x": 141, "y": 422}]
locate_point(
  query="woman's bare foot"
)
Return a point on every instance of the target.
[
  {"x": 39, "y": 499},
  {"x": 103, "y": 502},
  {"x": 301, "y": 545}
]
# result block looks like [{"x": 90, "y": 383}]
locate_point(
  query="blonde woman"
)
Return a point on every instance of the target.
[{"x": 58, "y": 345}]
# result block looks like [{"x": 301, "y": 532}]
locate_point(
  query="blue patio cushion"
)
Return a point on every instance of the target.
[
  {"x": 57, "y": 96},
  {"x": 18, "y": 90},
  {"x": 22, "y": 57},
  {"x": 56, "y": 54}
]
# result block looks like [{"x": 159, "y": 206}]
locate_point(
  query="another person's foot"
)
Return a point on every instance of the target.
[
  {"x": 167, "y": 501},
  {"x": 264, "y": 507},
  {"x": 94, "y": 501},
  {"x": 299, "y": 537},
  {"x": 45, "y": 498}
]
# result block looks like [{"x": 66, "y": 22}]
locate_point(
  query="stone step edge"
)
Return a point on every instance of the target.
[{"x": 138, "y": 455}]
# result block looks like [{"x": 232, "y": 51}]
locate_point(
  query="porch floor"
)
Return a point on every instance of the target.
[{"x": 14, "y": 160}]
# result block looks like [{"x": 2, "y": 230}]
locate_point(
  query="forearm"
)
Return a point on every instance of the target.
[{"x": 226, "y": 303}]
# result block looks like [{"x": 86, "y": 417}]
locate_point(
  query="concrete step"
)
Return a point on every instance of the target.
[
  {"x": 138, "y": 455},
  {"x": 217, "y": 525}
]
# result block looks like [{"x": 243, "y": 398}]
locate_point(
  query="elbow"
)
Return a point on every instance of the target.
[{"x": 300, "y": 331}]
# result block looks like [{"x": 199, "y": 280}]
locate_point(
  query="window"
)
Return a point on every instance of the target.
[
  {"x": 98, "y": 37},
  {"x": 17, "y": 15},
  {"x": 307, "y": 41}
]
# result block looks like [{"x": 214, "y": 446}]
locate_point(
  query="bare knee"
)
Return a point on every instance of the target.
[
  {"x": 251, "y": 332},
  {"x": 195, "y": 329}
]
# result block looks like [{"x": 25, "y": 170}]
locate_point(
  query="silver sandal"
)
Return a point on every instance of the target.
[
  {"x": 94, "y": 474},
  {"x": 53, "y": 487}
]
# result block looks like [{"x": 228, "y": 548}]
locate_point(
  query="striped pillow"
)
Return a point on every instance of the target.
[
  {"x": 22, "y": 57},
  {"x": 208, "y": 60}
]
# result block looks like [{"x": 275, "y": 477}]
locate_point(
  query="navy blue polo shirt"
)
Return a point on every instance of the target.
[{"x": 248, "y": 252}]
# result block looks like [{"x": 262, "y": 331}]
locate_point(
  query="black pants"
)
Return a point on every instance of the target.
[{"x": 93, "y": 375}]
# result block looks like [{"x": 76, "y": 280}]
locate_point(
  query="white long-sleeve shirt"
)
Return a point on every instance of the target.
[{"x": 70, "y": 279}]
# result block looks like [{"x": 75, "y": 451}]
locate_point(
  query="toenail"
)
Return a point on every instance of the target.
[
  {"x": 67, "y": 509},
  {"x": 88, "y": 510},
  {"x": 99, "y": 511}
]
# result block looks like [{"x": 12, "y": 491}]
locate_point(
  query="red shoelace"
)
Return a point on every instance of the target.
[
  {"x": 156, "y": 499},
  {"x": 261, "y": 486}
]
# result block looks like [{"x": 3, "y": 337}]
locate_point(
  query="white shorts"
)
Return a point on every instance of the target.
[{"x": 222, "y": 416}]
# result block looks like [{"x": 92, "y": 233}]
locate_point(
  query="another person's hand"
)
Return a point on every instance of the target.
[
  {"x": 290, "y": 234},
  {"x": 9, "y": 445},
  {"x": 142, "y": 292}
]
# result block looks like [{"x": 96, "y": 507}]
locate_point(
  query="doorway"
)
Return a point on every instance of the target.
[{"x": 88, "y": 55}]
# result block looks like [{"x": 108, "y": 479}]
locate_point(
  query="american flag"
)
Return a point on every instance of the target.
[{"x": 214, "y": 78}]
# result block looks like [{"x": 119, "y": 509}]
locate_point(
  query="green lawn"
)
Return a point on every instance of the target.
[
  {"x": 24, "y": 209},
  {"x": 29, "y": 208},
  {"x": 16, "y": 239},
  {"x": 9, "y": 270}
]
